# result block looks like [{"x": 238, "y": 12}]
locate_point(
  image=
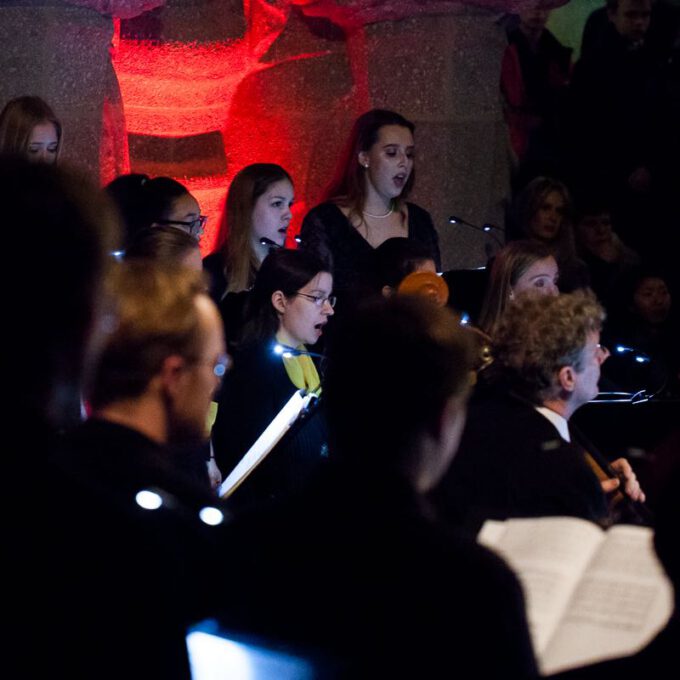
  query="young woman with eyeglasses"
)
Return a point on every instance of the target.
[
  {"x": 162, "y": 201},
  {"x": 289, "y": 306}
]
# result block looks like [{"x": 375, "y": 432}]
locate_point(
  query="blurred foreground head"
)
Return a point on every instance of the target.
[
  {"x": 61, "y": 229},
  {"x": 396, "y": 386}
]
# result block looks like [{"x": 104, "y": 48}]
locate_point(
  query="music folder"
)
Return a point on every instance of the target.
[{"x": 264, "y": 444}]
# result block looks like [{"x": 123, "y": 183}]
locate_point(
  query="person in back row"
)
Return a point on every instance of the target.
[
  {"x": 366, "y": 202},
  {"x": 29, "y": 129},
  {"x": 518, "y": 456},
  {"x": 258, "y": 207},
  {"x": 355, "y": 567}
]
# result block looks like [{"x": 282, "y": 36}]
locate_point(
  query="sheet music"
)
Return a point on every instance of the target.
[
  {"x": 622, "y": 602},
  {"x": 266, "y": 442}
]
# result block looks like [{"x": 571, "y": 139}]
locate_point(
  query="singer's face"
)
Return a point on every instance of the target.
[
  {"x": 547, "y": 221},
  {"x": 540, "y": 278},
  {"x": 389, "y": 162},
  {"x": 303, "y": 320},
  {"x": 587, "y": 379},
  {"x": 271, "y": 213},
  {"x": 43, "y": 144}
]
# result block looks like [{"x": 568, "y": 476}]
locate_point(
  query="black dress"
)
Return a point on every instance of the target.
[{"x": 330, "y": 235}]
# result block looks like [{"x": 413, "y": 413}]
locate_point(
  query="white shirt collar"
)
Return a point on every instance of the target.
[{"x": 557, "y": 420}]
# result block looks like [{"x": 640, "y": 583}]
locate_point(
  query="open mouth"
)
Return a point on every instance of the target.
[{"x": 399, "y": 179}]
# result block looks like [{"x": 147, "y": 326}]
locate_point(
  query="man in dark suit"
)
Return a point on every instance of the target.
[
  {"x": 355, "y": 567},
  {"x": 517, "y": 457}
]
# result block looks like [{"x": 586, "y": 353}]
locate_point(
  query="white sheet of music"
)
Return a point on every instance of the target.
[{"x": 271, "y": 436}]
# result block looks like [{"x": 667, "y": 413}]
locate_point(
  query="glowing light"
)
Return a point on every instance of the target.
[
  {"x": 211, "y": 516},
  {"x": 149, "y": 500},
  {"x": 176, "y": 90},
  {"x": 278, "y": 349}
]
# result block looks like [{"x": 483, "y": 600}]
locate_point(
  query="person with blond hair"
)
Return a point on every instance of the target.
[{"x": 519, "y": 267}]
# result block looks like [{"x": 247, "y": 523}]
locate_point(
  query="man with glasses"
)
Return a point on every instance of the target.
[
  {"x": 518, "y": 456},
  {"x": 160, "y": 365}
]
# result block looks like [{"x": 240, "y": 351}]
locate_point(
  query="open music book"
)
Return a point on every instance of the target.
[{"x": 591, "y": 594}]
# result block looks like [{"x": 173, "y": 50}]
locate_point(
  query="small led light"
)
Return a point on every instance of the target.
[
  {"x": 464, "y": 319},
  {"x": 149, "y": 500},
  {"x": 641, "y": 359},
  {"x": 278, "y": 349},
  {"x": 622, "y": 348},
  {"x": 211, "y": 516}
]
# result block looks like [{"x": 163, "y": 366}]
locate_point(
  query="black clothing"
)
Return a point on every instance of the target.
[
  {"x": 330, "y": 235},
  {"x": 213, "y": 266},
  {"x": 534, "y": 97},
  {"x": 252, "y": 394},
  {"x": 353, "y": 568},
  {"x": 105, "y": 588},
  {"x": 613, "y": 126},
  {"x": 512, "y": 462},
  {"x": 125, "y": 461},
  {"x": 232, "y": 305}
]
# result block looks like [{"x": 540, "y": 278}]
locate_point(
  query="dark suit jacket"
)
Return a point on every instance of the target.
[
  {"x": 352, "y": 569},
  {"x": 512, "y": 463}
]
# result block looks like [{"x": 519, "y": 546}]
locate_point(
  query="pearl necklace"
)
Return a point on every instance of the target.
[{"x": 379, "y": 217}]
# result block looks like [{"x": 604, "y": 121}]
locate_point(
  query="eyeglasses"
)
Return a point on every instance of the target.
[
  {"x": 195, "y": 227},
  {"x": 603, "y": 353},
  {"x": 320, "y": 300}
]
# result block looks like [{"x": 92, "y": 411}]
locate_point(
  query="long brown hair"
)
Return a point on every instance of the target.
[
  {"x": 348, "y": 187},
  {"x": 234, "y": 236},
  {"x": 528, "y": 203},
  {"x": 17, "y": 121},
  {"x": 508, "y": 265}
]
